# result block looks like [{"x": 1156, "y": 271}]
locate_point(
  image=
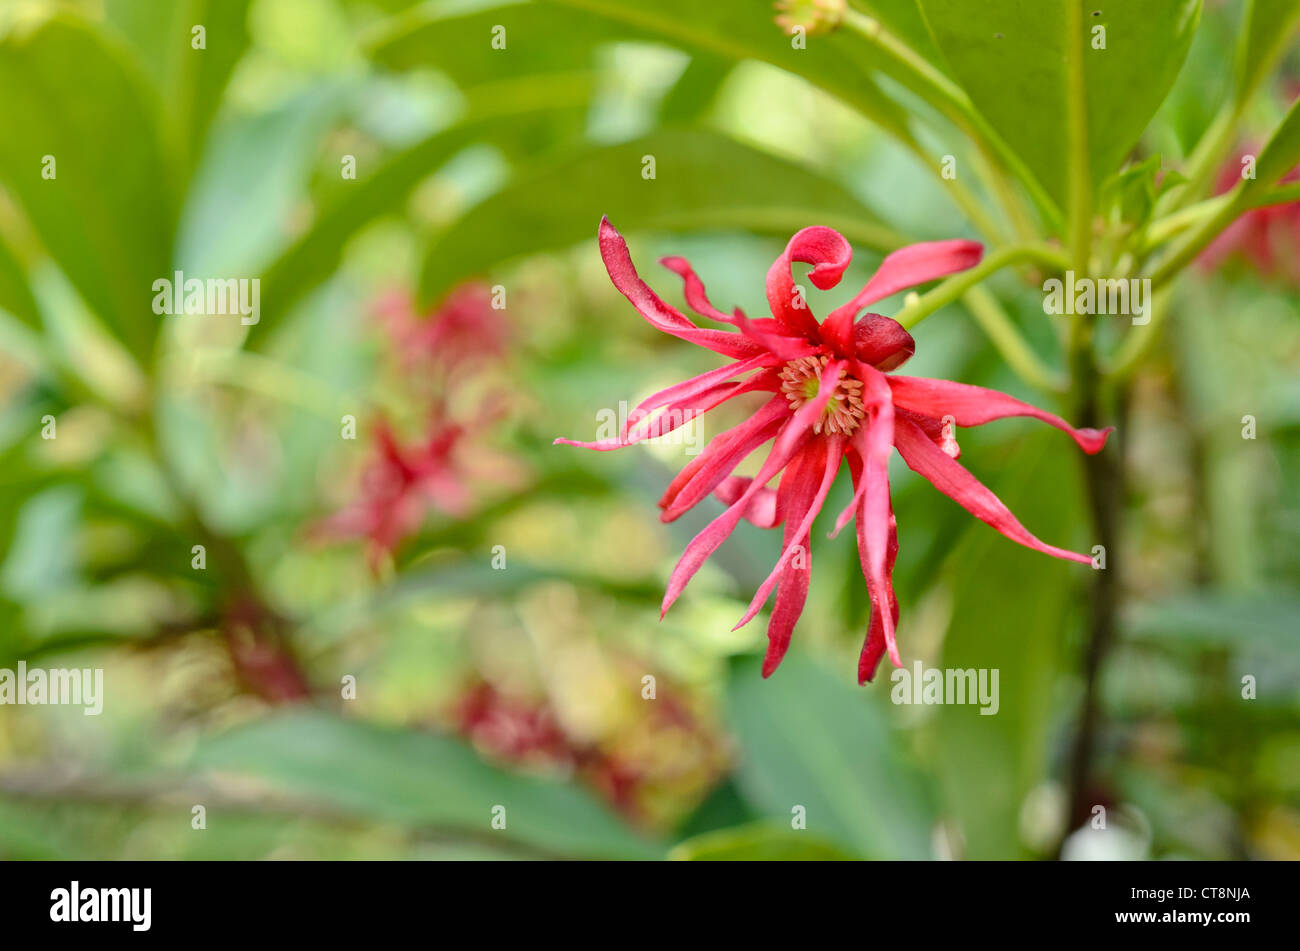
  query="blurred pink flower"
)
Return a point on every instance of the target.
[
  {"x": 830, "y": 401},
  {"x": 462, "y": 332},
  {"x": 1267, "y": 239},
  {"x": 399, "y": 484},
  {"x": 509, "y": 728}
]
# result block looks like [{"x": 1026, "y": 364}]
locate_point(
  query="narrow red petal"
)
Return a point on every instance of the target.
[
  {"x": 951, "y": 478},
  {"x": 806, "y": 484},
  {"x": 792, "y": 592},
  {"x": 974, "y": 405},
  {"x": 788, "y": 442},
  {"x": 618, "y": 262},
  {"x": 761, "y": 508},
  {"x": 723, "y": 453},
  {"x": 884, "y": 604},
  {"x": 874, "y": 512},
  {"x": 696, "y": 298}
]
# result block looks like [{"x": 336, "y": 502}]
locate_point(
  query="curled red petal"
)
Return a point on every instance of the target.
[{"x": 828, "y": 252}]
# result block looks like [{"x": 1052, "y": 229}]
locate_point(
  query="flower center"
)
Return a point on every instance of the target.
[{"x": 801, "y": 381}]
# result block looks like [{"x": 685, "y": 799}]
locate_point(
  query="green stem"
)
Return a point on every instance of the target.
[
  {"x": 1008, "y": 341},
  {"x": 957, "y": 285},
  {"x": 1165, "y": 229},
  {"x": 1194, "y": 243},
  {"x": 1076, "y": 144}
]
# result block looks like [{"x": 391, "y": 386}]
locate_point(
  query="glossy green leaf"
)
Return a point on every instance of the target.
[
  {"x": 107, "y": 216},
  {"x": 759, "y": 842},
  {"x": 1011, "y": 612},
  {"x": 1013, "y": 57},
  {"x": 809, "y": 737},
  {"x": 701, "y": 180},
  {"x": 418, "y": 780}
]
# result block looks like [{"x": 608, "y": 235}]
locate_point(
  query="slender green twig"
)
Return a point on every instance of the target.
[
  {"x": 957, "y": 285},
  {"x": 1009, "y": 342}
]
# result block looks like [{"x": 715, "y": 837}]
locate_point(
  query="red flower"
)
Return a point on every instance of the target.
[
  {"x": 461, "y": 332},
  {"x": 831, "y": 401},
  {"x": 1266, "y": 238},
  {"x": 399, "y": 484}
]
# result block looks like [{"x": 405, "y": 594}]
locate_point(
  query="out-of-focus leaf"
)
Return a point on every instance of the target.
[
  {"x": 191, "y": 80},
  {"x": 1206, "y": 619},
  {"x": 1010, "y": 613},
  {"x": 695, "y": 90},
  {"x": 760, "y": 842},
  {"x": 701, "y": 180},
  {"x": 842, "y": 63},
  {"x": 538, "y": 39},
  {"x": 107, "y": 216},
  {"x": 1013, "y": 57},
  {"x": 1280, "y": 155},
  {"x": 418, "y": 780},
  {"x": 811, "y": 739},
  {"x": 248, "y": 188},
  {"x": 315, "y": 255},
  {"x": 1268, "y": 26},
  {"x": 15, "y": 293}
]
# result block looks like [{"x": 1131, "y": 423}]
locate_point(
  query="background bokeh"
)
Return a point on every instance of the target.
[{"x": 322, "y": 699}]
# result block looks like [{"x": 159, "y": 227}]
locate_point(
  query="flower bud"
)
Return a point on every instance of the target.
[
  {"x": 882, "y": 342},
  {"x": 815, "y": 16}
]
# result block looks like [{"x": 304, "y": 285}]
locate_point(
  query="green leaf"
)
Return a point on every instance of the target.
[
  {"x": 191, "y": 80},
  {"x": 315, "y": 255},
  {"x": 811, "y": 738},
  {"x": 695, "y": 90},
  {"x": 253, "y": 173},
  {"x": 15, "y": 293},
  {"x": 1010, "y": 613},
  {"x": 107, "y": 217},
  {"x": 1013, "y": 58},
  {"x": 418, "y": 780},
  {"x": 1266, "y": 30},
  {"x": 539, "y": 39},
  {"x": 841, "y": 63},
  {"x": 1207, "y": 619},
  {"x": 701, "y": 180},
  {"x": 759, "y": 842},
  {"x": 1280, "y": 155}
]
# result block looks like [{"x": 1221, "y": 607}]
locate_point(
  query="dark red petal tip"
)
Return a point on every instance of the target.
[{"x": 1092, "y": 441}]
